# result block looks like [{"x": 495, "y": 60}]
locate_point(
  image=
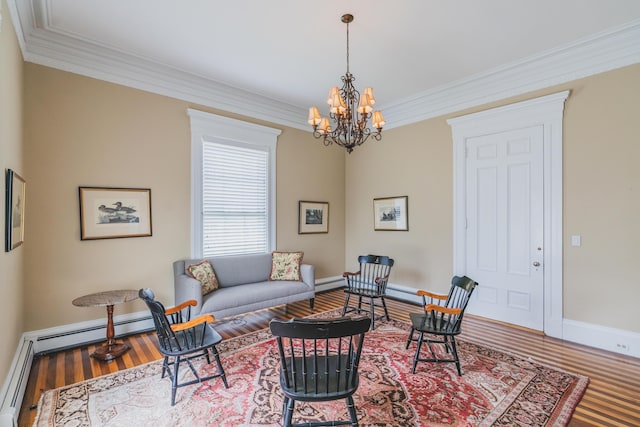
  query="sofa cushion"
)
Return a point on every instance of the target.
[
  {"x": 286, "y": 265},
  {"x": 253, "y": 295},
  {"x": 241, "y": 269},
  {"x": 204, "y": 273}
]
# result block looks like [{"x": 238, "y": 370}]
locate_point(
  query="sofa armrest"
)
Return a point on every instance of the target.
[
  {"x": 187, "y": 288},
  {"x": 308, "y": 273}
]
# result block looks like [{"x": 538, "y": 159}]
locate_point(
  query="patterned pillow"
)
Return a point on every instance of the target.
[
  {"x": 286, "y": 265},
  {"x": 203, "y": 271}
]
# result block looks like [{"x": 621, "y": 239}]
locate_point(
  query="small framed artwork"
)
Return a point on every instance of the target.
[
  {"x": 112, "y": 213},
  {"x": 14, "y": 214},
  {"x": 391, "y": 213},
  {"x": 313, "y": 217}
]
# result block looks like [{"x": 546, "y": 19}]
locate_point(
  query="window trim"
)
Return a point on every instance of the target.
[{"x": 220, "y": 129}]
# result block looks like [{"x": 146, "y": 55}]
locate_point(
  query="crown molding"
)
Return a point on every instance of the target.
[
  {"x": 615, "y": 48},
  {"x": 42, "y": 44}
]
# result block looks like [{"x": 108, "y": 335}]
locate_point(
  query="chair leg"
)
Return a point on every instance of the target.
[
  {"x": 415, "y": 358},
  {"x": 346, "y": 304},
  {"x": 352, "y": 411},
  {"x": 174, "y": 382},
  {"x": 454, "y": 352},
  {"x": 312, "y": 302},
  {"x": 410, "y": 338},
  {"x": 165, "y": 367},
  {"x": 216, "y": 355},
  {"x": 288, "y": 415},
  {"x": 372, "y": 311},
  {"x": 447, "y": 345},
  {"x": 384, "y": 305}
]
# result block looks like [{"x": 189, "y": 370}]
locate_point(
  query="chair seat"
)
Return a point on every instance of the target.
[
  {"x": 369, "y": 293},
  {"x": 433, "y": 324}
]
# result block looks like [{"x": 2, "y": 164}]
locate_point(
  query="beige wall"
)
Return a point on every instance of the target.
[
  {"x": 601, "y": 201},
  {"x": 84, "y": 132},
  {"x": 11, "y": 319},
  {"x": 413, "y": 161}
]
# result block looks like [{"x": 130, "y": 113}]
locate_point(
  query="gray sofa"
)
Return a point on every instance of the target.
[{"x": 244, "y": 286}]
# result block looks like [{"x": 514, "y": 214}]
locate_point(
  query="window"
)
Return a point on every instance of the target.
[{"x": 232, "y": 186}]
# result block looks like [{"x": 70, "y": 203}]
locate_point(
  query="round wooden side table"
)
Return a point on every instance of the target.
[{"x": 111, "y": 349}]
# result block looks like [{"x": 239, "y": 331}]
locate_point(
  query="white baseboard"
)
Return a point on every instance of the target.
[
  {"x": 603, "y": 337},
  {"x": 403, "y": 293},
  {"x": 328, "y": 283}
]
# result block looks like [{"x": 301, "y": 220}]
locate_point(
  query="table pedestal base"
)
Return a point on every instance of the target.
[{"x": 109, "y": 352}]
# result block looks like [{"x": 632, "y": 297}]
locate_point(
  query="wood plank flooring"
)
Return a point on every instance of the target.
[{"x": 612, "y": 398}]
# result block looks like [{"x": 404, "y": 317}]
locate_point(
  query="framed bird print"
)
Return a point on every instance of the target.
[{"x": 112, "y": 213}]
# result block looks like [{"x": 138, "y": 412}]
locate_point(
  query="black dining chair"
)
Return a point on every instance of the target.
[
  {"x": 319, "y": 362},
  {"x": 441, "y": 321},
  {"x": 368, "y": 285},
  {"x": 182, "y": 340}
]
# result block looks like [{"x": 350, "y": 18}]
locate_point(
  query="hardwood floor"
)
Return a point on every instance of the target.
[{"x": 612, "y": 398}]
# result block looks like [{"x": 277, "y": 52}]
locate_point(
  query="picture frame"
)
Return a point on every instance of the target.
[
  {"x": 313, "y": 217},
  {"x": 391, "y": 213},
  {"x": 16, "y": 188},
  {"x": 113, "y": 213}
]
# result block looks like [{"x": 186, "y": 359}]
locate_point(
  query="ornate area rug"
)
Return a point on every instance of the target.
[{"x": 496, "y": 388}]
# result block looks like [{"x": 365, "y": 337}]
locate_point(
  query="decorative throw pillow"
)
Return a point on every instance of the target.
[
  {"x": 203, "y": 272},
  {"x": 286, "y": 265}
]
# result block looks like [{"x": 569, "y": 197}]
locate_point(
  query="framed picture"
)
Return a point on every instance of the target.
[
  {"x": 313, "y": 217},
  {"x": 14, "y": 214},
  {"x": 112, "y": 213},
  {"x": 391, "y": 213}
]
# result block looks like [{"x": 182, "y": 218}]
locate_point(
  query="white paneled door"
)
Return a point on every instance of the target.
[{"x": 504, "y": 229}]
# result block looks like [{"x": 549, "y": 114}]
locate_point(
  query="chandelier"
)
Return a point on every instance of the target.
[{"x": 349, "y": 112}]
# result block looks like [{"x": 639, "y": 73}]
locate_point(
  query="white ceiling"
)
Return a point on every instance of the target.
[{"x": 273, "y": 59}]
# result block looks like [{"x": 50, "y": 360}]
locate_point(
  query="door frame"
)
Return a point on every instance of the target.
[{"x": 548, "y": 112}]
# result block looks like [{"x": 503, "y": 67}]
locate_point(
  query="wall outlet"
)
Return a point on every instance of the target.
[{"x": 623, "y": 347}]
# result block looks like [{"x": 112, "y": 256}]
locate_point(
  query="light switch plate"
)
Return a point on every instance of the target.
[{"x": 576, "y": 240}]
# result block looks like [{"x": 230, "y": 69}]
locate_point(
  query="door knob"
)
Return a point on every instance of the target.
[{"x": 536, "y": 264}]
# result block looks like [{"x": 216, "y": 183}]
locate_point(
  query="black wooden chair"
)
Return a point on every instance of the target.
[
  {"x": 370, "y": 284},
  {"x": 441, "y": 321},
  {"x": 182, "y": 340},
  {"x": 319, "y": 362}
]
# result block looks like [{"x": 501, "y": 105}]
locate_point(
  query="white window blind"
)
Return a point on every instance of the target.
[
  {"x": 233, "y": 186},
  {"x": 235, "y": 197}
]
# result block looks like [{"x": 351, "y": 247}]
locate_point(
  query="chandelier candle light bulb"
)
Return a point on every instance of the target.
[{"x": 349, "y": 111}]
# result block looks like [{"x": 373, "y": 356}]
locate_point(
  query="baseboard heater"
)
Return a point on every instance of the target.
[{"x": 16, "y": 383}]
